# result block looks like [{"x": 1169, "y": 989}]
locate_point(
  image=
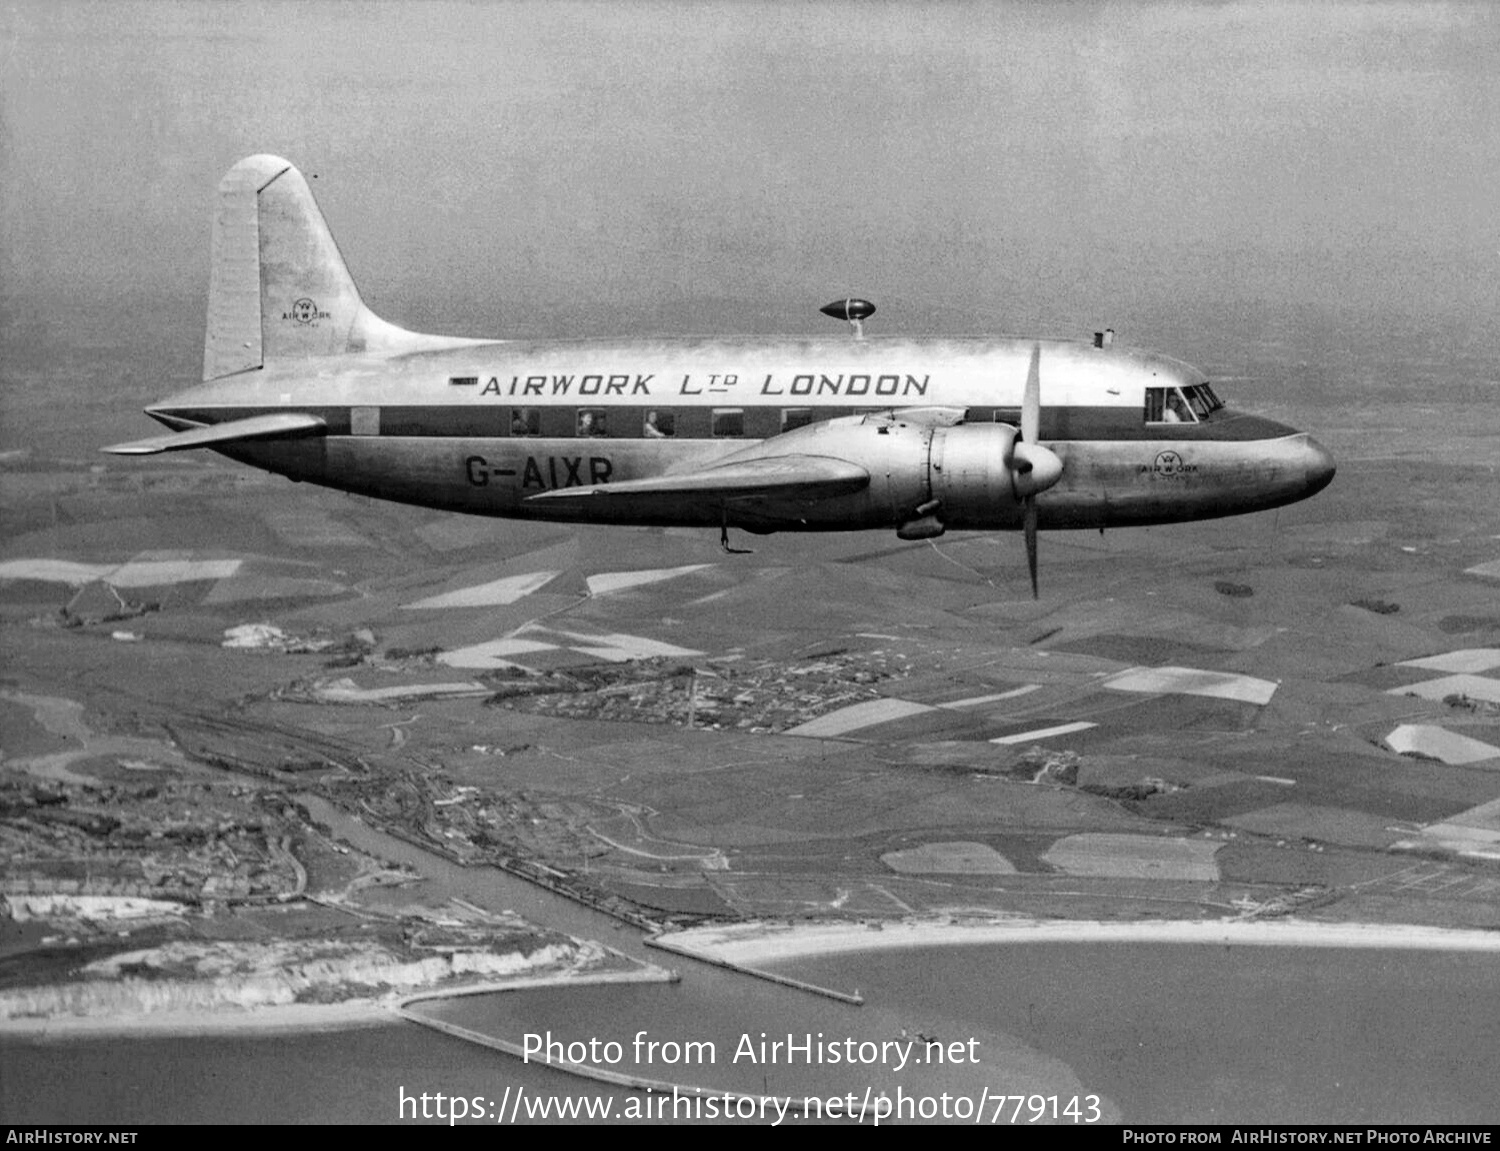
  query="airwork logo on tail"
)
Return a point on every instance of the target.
[{"x": 306, "y": 311}]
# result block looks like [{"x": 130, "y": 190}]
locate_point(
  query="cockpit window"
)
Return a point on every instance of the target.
[
  {"x": 1203, "y": 400},
  {"x": 1168, "y": 406}
]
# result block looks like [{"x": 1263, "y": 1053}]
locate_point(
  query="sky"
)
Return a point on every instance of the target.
[{"x": 575, "y": 168}]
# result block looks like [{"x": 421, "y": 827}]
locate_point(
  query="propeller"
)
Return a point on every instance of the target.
[{"x": 1033, "y": 468}]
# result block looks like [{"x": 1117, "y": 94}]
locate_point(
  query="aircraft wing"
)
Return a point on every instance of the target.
[
  {"x": 794, "y": 477},
  {"x": 278, "y": 425}
]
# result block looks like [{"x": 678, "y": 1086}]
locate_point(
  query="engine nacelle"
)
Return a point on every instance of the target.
[
  {"x": 925, "y": 477},
  {"x": 970, "y": 471}
]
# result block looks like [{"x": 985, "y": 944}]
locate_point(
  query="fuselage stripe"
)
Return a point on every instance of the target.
[{"x": 620, "y": 422}]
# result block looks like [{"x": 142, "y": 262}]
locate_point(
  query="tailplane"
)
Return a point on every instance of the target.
[{"x": 279, "y": 289}]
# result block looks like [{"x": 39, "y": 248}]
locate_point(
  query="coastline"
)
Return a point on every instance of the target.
[
  {"x": 742, "y": 945},
  {"x": 750, "y": 943},
  {"x": 297, "y": 1017},
  {"x": 347, "y": 1015}
]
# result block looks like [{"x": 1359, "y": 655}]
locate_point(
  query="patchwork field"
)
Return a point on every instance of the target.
[{"x": 1286, "y": 711}]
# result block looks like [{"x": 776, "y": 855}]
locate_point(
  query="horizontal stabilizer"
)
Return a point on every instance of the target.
[
  {"x": 775, "y": 477},
  {"x": 280, "y": 425}
]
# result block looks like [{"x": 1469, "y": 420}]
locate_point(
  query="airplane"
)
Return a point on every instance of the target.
[{"x": 922, "y": 435}]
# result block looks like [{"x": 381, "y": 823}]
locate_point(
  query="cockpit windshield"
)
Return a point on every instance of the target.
[{"x": 1203, "y": 400}]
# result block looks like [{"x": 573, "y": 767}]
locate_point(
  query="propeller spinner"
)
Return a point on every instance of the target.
[{"x": 1033, "y": 468}]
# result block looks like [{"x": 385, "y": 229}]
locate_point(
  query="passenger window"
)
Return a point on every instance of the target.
[
  {"x": 659, "y": 425},
  {"x": 795, "y": 418},
  {"x": 364, "y": 421},
  {"x": 729, "y": 421},
  {"x": 526, "y": 421},
  {"x": 591, "y": 422}
]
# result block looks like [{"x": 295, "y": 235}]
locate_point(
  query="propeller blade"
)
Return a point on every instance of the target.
[
  {"x": 1031, "y": 543},
  {"x": 1033, "y": 468},
  {"x": 1031, "y": 398}
]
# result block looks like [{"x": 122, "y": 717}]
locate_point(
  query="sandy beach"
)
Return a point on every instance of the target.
[{"x": 757, "y": 943}]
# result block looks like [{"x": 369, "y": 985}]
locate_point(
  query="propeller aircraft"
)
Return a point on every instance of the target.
[{"x": 857, "y": 432}]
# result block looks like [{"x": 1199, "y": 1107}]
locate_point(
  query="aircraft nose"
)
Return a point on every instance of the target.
[{"x": 1318, "y": 466}]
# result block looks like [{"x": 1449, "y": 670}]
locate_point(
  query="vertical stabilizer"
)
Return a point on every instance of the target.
[
  {"x": 309, "y": 306},
  {"x": 279, "y": 289}
]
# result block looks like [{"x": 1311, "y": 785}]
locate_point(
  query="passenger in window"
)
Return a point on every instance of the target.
[
  {"x": 590, "y": 423},
  {"x": 657, "y": 427},
  {"x": 523, "y": 422}
]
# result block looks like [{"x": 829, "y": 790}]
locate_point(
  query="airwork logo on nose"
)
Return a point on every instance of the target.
[
  {"x": 305, "y": 311},
  {"x": 1169, "y": 465}
]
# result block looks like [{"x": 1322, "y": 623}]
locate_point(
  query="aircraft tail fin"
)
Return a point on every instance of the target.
[{"x": 279, "y": 288}]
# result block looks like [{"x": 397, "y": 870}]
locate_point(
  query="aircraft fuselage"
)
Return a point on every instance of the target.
[{"x": 483, "y": 427}]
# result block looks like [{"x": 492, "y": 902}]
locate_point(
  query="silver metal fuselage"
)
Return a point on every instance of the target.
[{"x": 481, "y": 426}]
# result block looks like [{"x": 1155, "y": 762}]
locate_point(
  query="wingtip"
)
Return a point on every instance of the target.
[{"x": 135, "y": 448}]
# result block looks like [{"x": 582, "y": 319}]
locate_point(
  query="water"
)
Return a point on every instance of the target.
[
  {"x": 1163, "y": 1033},
  {"x": 1198, "y": 1034}
]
